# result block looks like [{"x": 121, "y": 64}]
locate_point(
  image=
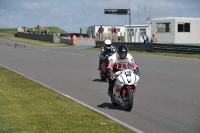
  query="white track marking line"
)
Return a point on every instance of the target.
[
  {"x": 48, "y": 50},
  {"x": 112, "y": 118}
]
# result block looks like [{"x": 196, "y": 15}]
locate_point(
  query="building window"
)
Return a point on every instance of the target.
[
  {"x": 183, "y": 27},
  {"x": 128, "y": 29},
  {"x": 117, "y": 29},
  {"x": 142, "y": 32},
  {"x": 163, "y": 27}
]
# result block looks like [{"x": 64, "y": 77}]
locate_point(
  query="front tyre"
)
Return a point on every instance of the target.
[{"x": 128, "y": 102}]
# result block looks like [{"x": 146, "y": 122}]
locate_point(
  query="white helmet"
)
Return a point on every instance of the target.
[{"x": 107, "y": 43}]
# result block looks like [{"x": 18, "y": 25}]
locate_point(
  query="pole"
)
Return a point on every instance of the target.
[
  {"x": 150, "y": 13},
  {"x": 139, "y": 14},
  {"x": 130, "y": 25},
  {"x": 144, "y": 14}
]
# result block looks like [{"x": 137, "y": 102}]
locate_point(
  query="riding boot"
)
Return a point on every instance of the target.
[
  {"x": 99, "y": 67},
  {"x": 110, "y": 89}
]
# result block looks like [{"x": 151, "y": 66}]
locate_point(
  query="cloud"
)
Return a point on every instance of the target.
[
  {"x": 70, "y": 21},
  {"x": 2, "y": 11},
  {"x": 33, "y": 6},
  {"x": 72, "y": 15},
  {"x": 2, "y": 21},
  {"x": 162, "y": 5}
]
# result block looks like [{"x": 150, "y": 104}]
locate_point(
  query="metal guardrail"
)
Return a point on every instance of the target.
[
  {"x": 40, "y": 37},
  {"x": 157, "y": 47},
  {"x": 66, "y": 40},
  {"x": 176, "y": 48},
  {"x": 131, "y": 46}
]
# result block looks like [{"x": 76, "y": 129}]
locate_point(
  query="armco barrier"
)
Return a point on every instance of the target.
[
  {"x": 157, "y": 47},
  {"x": 131, "y": 46},
  {"x": 45, "y": 38},
  {"x": 176, "y": 48},
  {"x": 40, "y": 37},
  {"x": 66, "y": 40}
]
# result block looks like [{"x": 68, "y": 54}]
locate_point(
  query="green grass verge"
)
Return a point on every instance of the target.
[
  {"x": 197, "y": 56},
  {"x": 28, "y": 107},
  {"x": 34, "y": 42},
  {"x": 8, "y": 30},
  {"x": 52, "y": 30},
  {"x": 41, "y": 43}
]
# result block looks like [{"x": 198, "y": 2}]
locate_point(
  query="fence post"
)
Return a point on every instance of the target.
[
  {"x": 139, "y": 36},
  {"x": 124, "y": 36},
  {"x": 101, "y": 37}
]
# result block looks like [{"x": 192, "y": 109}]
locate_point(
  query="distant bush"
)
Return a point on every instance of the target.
[
  {"x": 51, "y": 30},
  {"x": 8, "y": 30}
]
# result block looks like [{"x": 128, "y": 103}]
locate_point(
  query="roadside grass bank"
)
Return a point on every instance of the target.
[
  {"x": 34, "y": 42},
  {"x": 197, "y": 56},
  {"x": 27, "y": 106},
  {"x": 49, "y": 44},
  {"x": 51, "y": 30},
  {"x": 8, "y": 30}
]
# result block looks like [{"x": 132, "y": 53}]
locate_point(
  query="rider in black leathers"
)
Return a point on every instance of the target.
[{"x": 106, "y": 49}]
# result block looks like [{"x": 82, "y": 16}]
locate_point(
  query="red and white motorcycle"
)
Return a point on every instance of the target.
[{"x": 125, "y": 87}]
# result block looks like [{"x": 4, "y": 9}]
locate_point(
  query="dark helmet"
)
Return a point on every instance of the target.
[{"x": 122, "y": 51}]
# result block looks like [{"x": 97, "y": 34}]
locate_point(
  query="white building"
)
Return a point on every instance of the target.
[
  {"x": 122, "y": 30},
  {"x": 177, "y": 30},
  {"x": 92, "y": 30},
  {"x": 137, "y": 31}
]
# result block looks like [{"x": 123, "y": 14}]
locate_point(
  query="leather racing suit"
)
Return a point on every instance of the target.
[
  {"x": 116, "y": 64},
  {"x": 103, "y": 53}
]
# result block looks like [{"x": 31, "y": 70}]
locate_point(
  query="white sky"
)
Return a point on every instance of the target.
[{"x": 71, "y": 15}]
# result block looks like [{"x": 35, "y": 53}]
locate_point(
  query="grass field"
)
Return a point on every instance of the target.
[
  {"x": 41, "y": 43},
  {"x": 51, "y": 29},
  {"x": 34, "y": 42},
  {"x": 8, "y": 30},
  {"x": 28, "y": 107}
]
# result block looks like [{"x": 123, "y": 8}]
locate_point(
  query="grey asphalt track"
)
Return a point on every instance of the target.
[{"x": 167, "y": 99}]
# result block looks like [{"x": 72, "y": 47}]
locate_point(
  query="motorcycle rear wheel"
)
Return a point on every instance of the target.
[{"x": 128, "y": 102}]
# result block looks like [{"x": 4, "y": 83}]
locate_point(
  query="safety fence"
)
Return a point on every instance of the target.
[
  {"x": 177, "y": 48},
  {"x": 37, "y": 36},
  {"x": 66, "y": 40},
  {"x": 157, "y": 47},
  {"x": 69, "y": 41}
]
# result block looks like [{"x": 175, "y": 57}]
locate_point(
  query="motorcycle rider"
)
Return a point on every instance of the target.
[
  {"x": 107, "y": 48},
  {"x": 118, "y": 62}
]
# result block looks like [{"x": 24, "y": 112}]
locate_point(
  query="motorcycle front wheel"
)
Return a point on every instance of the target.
[{"x": 128, "y": 102}]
